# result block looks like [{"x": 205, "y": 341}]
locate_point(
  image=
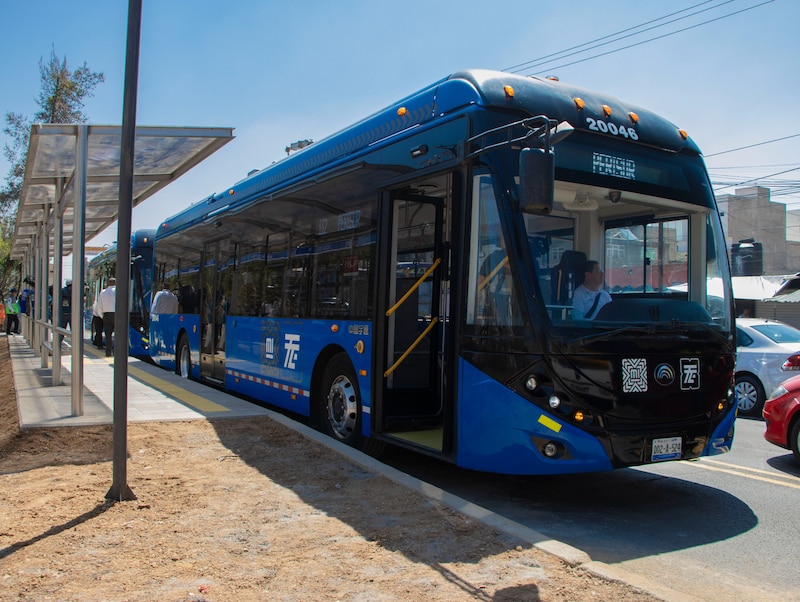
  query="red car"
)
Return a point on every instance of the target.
[{"x": 782, "y": 414}]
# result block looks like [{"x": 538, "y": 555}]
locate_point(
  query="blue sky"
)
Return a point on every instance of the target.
[{"x": 284, "y": 71}]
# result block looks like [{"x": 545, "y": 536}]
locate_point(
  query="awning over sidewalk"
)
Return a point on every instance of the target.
[
  {"x": 53, "y": 168},
  {"x": 756, "y": 287}
]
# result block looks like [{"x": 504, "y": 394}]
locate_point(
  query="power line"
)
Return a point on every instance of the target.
[
  {"x": 653, "y": 39},
  {"x": 752, "y": 145},
  {"x": 762, "y": 178},
  {"x": 535, "y": 62}
]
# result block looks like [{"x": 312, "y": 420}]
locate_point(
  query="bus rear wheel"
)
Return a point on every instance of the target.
[
  {"x": 340, "y": 401},
  {"x": 183, "y": 364}
]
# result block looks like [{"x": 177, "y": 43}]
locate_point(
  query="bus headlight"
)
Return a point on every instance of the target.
[
  {"x": 531, "y": 383},
  {"x": 554, "y": 402}
]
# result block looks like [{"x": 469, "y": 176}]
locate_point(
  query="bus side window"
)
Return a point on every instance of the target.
[{"x": 491, "y": 299}]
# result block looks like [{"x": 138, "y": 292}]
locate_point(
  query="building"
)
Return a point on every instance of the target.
[{"x": 751, "y": 220}]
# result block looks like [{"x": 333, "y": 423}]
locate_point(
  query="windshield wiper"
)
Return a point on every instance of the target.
[{"x": 608, "y": 334}]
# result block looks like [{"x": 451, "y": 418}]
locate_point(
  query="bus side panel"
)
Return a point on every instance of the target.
[
  {"x": 164, "y": 332},
  {"x": 273, "y": 360},
  {"x": 496, "y": 428}
]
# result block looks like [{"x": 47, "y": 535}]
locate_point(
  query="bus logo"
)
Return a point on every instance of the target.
[
  {"x": 269, "y": 348},
  {"x": 291, "y": 343},
  {"x": 690, "y": 373},
  {"x": 634, "y": 375},
  {"x": 664, "y": 374}
]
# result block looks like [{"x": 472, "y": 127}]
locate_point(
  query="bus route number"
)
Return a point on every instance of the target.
[{"x": 609, "y": 127}]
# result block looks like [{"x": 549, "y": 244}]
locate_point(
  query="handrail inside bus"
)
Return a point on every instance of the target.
[
  {"x": 424, "y": 277},
  {"x": 482, "y": 284},
  {"x": 413, "y": 346}
]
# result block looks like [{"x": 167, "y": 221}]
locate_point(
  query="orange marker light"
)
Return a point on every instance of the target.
[
  {"x": 607, "y": 111},
  {"x": 579, "y": 103},
  {"x": 334, "y": 328},
  {"x": 401, "y": 112},
  {"x": 683, "y": 134},
  {"x": 509, "y": 91},
  {"x": 634, "y": 117},
  {"x": 231, "y": 192}
]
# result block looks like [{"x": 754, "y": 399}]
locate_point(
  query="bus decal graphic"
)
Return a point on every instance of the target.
[
  {"x": 292, "y": 346},
  {"x": 690, "y": 373},
  {"x": 269, "y": 383},
  {"x": 269, "y": 348},
  {"x": 634, "y": 375}
]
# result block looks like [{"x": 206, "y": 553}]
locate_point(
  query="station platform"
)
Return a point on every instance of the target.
[{"x": 154, "y": 394}]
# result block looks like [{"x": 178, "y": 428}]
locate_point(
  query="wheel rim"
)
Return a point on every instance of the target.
[
  {"x": 342, "y": 407},
  {"x": 746, "y": 396},
  {"x": 185, "y": 362}
]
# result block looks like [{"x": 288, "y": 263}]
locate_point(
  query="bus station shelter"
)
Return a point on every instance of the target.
[{"x": 70, "y": 194}]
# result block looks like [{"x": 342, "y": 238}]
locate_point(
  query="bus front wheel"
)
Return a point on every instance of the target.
[
  {"x": 340, "y": 401},
  {"x": 184, "y": 358}
]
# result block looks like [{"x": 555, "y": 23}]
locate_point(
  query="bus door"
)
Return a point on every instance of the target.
[
  {"x": 212, "y": 316},
  {"x": 415, "y": 315}
]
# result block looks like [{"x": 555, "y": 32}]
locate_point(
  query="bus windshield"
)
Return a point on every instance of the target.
[{"x": 608, "y": 257}]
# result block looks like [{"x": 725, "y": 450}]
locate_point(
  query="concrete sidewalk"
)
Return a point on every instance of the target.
[{"x": 154, "y": 394}]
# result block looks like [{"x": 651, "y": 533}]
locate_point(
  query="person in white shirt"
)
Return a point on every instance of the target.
[
  {"x": 589, "y": 297},
  {"x": 106, "y": 302},
  {"x": 164, "y": 302}
]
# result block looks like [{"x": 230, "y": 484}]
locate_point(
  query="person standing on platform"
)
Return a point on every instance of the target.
[
  {"x": 12, "y": 313},
  {"x": 106, "y": 302}
]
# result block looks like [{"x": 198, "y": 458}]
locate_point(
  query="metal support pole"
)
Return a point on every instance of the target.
[
  {"x": 58, "y": 237},
  {"x": 78, "y": 259},
  {"x": 44, "y": 268},
  {"x": 39, "y": 297},
  {"x": 119, "y": 489}
]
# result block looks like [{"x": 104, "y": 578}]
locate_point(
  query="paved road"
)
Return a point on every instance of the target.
[{"x": 722, "y": 528}]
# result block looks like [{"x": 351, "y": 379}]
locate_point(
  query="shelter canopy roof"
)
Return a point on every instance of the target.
[{"x": 162, "y": 154}]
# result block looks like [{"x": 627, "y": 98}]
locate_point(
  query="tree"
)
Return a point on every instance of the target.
[{"x": 60, "y": 100}]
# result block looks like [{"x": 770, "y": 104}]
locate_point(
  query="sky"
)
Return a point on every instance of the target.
[{"x": 726, "y": 71}]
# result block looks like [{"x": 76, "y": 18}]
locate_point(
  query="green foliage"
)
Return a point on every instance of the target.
[{"x": 61, "y": 99}]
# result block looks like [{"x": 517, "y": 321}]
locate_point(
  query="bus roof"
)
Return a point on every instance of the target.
[
  {"x": 453, "y": 95},
  {"x": 139, "y": 239}
]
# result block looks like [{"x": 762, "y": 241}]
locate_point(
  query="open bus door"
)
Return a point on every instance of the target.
[{"x": 414, "y": 308}]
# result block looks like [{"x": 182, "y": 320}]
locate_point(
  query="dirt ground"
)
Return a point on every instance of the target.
[{"x": 242, "y": 509}]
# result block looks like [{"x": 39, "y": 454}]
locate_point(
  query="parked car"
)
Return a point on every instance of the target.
[
  {"x": 782, "y": 415},
  {"x": 767, "y": 351}
]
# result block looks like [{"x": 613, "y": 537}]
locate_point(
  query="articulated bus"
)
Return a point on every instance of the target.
[
  {"x": 410, "y": 280},
  {"x": 104, "y": 266}
]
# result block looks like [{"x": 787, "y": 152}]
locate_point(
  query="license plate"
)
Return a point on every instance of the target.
[{"x": 668, "y": 448}]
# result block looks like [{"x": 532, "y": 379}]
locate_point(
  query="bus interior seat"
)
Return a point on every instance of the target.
[{"x": 570, "y": 268}]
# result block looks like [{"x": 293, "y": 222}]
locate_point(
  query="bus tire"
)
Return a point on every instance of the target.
[
  {"x": 339, "y": 401},
  {"x": 183, "y": 358}
]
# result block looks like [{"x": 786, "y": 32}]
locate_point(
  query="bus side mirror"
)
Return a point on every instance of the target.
[{"x": 536, "y": 181}]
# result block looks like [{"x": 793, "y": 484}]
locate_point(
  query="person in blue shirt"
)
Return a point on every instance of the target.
[{"x": 589, "y": 297}]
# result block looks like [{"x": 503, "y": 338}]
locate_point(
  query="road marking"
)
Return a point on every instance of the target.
[
  {"x": 738, "y": 472},
  {"x": 200, "y": 403}
]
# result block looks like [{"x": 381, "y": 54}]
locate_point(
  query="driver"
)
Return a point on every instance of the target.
[{"x": 589, "y": 297}]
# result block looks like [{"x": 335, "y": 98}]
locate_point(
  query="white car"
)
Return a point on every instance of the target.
[{"x": 767, "y": 353}]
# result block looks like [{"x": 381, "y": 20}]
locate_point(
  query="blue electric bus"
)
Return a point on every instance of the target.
[
  {"x": 104, "y": 266},
  {"x": 410, "y": 280}
]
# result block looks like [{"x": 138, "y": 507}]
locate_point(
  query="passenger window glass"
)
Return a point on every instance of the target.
[{"x": 492, "y": 301}]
